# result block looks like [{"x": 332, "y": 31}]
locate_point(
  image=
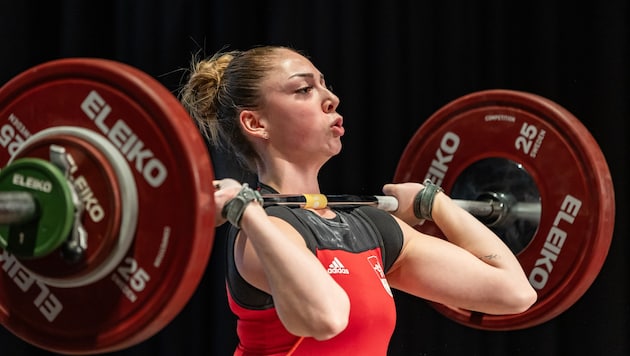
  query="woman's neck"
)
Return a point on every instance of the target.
[{"x": 288, "y": 178}]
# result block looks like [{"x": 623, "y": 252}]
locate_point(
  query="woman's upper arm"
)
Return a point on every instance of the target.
[
  {"x": 437, "y": 270},
  {"x": 247, "y": 261}
]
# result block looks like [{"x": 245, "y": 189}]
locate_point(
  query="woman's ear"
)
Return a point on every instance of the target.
[{"x": 253, "y": 124}]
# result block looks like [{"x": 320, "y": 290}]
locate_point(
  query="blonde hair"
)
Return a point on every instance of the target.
[{"x": 219, "y": 88}]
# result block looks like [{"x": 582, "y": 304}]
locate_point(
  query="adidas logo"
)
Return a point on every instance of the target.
[{"x": 336, "y": 267}]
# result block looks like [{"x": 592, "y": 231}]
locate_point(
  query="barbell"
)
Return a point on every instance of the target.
[{"x": 94, "y": 149}]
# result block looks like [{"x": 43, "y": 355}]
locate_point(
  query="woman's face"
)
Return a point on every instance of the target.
[{"x": 299, "y": 111}]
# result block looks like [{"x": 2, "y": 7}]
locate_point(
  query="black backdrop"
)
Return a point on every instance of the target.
[{"x": 393, "y": 64}]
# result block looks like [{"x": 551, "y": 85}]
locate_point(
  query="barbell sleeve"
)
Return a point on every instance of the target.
[
  {"x": 16, "y": 207},
  {"x": 492, "y": 212}
]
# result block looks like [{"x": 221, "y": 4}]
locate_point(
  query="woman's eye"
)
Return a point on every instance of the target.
[{"x": 305, "y": 90}]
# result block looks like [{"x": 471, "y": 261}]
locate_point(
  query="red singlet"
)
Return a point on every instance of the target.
[{"x": 357, "y": 248}]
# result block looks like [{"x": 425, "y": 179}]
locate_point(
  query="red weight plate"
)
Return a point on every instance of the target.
[
  {"x": 573, "y": 236},
  {"x": 175, "y": 220}
]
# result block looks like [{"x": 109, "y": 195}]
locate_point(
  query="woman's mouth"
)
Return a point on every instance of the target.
[{"x": 337, "y": 127}]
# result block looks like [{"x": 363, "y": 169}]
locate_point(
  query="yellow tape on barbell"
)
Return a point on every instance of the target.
[{"x": 315, "y": 201}]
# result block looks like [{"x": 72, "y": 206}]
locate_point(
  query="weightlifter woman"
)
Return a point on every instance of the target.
[{"x": 308, "y": 281}]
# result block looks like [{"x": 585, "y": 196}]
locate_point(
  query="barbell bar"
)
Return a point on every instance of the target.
[
  {"x": 491, "y": 208},
  {"x": 17, "y": 207},
  {"x": 520, "y": 163}
]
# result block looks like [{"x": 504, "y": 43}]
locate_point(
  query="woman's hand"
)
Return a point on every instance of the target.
[
  {"x": 405, "y": 193},
  {"x": 225, "y": 190}
]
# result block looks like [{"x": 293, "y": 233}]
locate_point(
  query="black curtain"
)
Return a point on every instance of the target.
[{"x": 393, "y": 63}]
